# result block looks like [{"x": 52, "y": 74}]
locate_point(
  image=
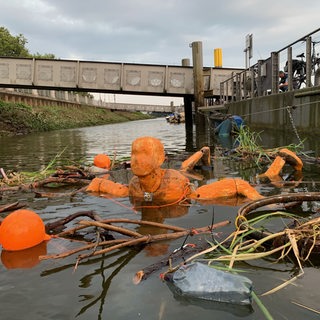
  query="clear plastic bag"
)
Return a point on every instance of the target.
[{"x": 197, "y": 280}]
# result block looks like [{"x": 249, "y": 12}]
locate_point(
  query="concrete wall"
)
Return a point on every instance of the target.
[{"x": 271, "y": 112}]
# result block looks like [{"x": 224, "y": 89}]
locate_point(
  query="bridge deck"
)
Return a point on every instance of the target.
[{"x": 92, "y": 76}]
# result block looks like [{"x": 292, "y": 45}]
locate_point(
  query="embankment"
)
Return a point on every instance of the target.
[{"x": 20, "y": 118}]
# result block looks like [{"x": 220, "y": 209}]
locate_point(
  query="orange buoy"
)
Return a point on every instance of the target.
[
  {"x": 22, "y": 229},
  {"x": 102, "y": 161}
]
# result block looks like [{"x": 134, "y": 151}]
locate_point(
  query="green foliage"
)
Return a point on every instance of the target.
[
  {"x": 249, "y": 146},
  {"x": 44, "y": 56},
  {"x": 15, "y": 46},
  {"x": 248, "y": 140},
  {"x": 12, "y": 46}
]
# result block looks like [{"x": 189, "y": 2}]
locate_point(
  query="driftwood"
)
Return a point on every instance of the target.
[
  {"x": 73, "y": 176},
  {"x": 60, "y": 224},
  {"x": 133, "y": 239},
  {"x": 154, "y": 238},
  {"x": 11, "y": 206},
  {"x": 180, "y": 254},
  {"x": 3, "y": 174},
  {"x": 59, "y": 180}
]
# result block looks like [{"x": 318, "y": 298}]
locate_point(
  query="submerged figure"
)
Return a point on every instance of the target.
[{"x": 153, "y": 183}]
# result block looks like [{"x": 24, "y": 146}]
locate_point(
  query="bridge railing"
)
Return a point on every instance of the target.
[{"x": 300, "y": 60}]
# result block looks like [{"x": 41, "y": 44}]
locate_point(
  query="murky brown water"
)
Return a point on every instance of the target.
[{"x": 101, "y": 288}]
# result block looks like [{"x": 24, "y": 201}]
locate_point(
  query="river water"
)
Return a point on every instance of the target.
[{"x": 102, "y": 287}]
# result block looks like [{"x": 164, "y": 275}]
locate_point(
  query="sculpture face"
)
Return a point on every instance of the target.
[{"x": 147, "y": 155}]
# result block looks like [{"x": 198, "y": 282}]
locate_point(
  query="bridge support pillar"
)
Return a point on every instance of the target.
[{"x": 187, "y": 101}]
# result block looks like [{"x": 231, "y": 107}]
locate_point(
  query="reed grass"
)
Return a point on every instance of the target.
[{"x": 249, "y": 146}]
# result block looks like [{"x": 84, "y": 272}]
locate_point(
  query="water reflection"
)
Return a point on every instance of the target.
[
  {"x": 106, "y": 268},
  {"x": 234, "y": 309},
  {"x": 23, "y": 259},
  {"x": 34, "y": 152},
  {"x": 105, "y": 281}
]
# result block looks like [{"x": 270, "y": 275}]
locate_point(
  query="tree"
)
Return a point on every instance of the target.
[
  {"x": 44, "y": 56},
  {"x": 15, "y": 46},
  {"x": 12, "y": 46}
]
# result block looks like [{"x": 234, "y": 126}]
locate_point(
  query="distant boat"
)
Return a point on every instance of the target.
[{"x": 176, "y": 117}]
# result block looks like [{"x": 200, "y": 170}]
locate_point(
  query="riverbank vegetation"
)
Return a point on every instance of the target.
[{"x": 19, "y": 118}]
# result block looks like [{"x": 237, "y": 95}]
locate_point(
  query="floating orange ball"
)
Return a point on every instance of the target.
[
  {"x": 22, "y": 229},
  {"x": 102, "y": 161}
]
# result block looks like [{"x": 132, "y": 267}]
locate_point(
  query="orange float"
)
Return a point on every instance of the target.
[
  {"x": 102, "y": 161},
  {"x": 22, "y": 229}
]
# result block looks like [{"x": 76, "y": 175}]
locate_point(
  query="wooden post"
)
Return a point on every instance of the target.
[
  {"x": 275, "y": 72},
  {"x": 187, "y": 101},
  {"x": 200, "y": 120},
  {"x": 308, "y": 62},
  {"x": 290, "y": 73},
  {"x": 259, "y": 85},
  {"x": 198, "y": 74}
]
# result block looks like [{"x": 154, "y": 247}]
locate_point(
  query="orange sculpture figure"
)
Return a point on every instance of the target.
[
  {"x": 107, "y": 186},
  {"x": 152, "y": 183},
  {"x": 22, "y": 229},
  {"x": 284, "y": 156}
]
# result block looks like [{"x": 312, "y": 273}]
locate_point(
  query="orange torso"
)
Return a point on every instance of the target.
[{"x": 174, "y": 187}]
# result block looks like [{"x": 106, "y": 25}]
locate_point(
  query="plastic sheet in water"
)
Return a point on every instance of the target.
[{"x": 199, "y": 281}]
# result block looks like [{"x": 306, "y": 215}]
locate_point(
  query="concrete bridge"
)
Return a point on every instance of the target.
[
  {"x": 108, "y": 77},
  {"x": 140, "y": 107}
]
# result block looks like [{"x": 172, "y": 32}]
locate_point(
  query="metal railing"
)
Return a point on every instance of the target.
[{"x": 262, "y": 78}]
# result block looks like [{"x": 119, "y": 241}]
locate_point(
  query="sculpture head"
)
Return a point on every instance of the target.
[{"x": 147, "y": 155}]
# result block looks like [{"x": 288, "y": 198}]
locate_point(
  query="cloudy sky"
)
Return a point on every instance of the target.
[{"x": 158, "y": 31}]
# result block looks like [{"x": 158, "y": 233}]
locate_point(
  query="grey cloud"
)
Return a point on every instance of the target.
[{"x": 149, "y": 31}]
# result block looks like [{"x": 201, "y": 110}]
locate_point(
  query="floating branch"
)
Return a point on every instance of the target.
[
  {"x": 11, "y": 206},
  {"x": 133, "y": 240}
]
